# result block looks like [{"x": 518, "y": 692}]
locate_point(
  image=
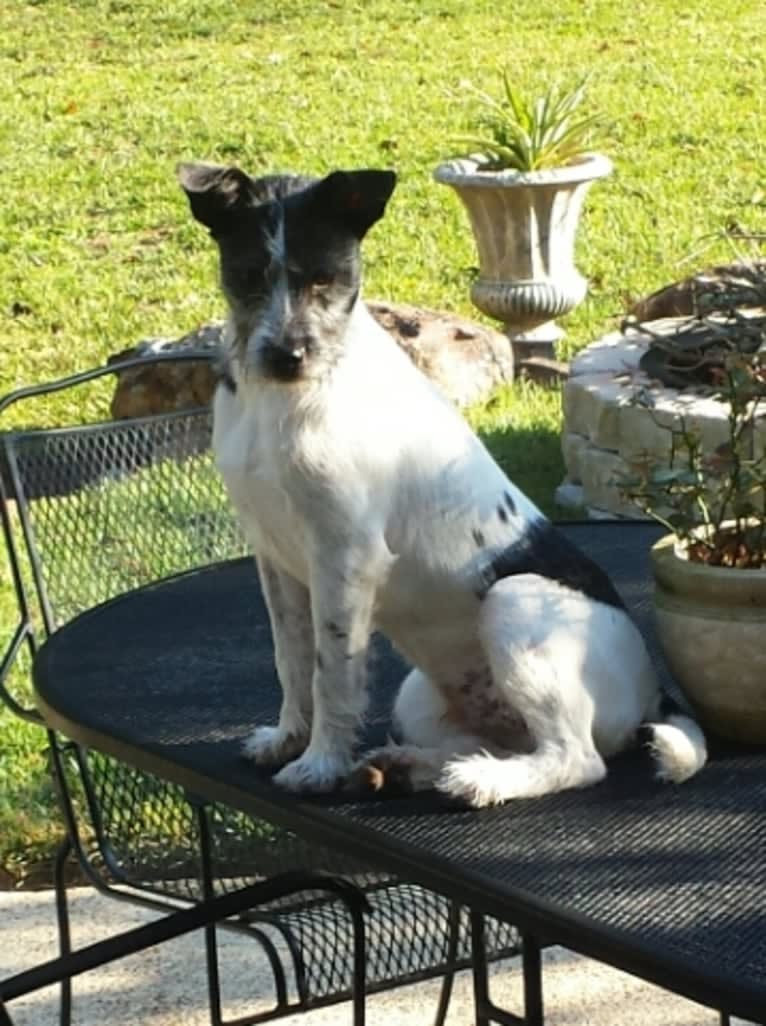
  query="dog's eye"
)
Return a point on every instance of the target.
[{"x": 320, "y": 279}]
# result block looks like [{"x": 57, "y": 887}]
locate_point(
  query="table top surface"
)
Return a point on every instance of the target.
[{"x": 667, "y": 882}]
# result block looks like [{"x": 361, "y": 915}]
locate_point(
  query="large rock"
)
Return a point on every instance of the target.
[
  {"x": 742, "y": 284},
  {"x": 162, "y": 387},
  {"x": 464, "y": 359},
  {"x": 467, "y": 361}
]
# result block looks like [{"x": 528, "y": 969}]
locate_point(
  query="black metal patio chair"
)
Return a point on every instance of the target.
[{"x": 90, "y": 511}]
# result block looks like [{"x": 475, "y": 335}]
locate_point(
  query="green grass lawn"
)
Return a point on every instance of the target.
[{"x": 99, "y": 100}]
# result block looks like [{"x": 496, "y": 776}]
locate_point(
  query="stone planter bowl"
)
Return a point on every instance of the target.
[
  {"x": 524, "y": 224},
  {"x": 712, "y": 625}
]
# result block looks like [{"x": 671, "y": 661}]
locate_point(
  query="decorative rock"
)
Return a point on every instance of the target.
[
  {"x": 467, "y": 361},
  {"x": 675, "y": 300},
  {"x": 161, "y": 387},
  {"x": 680, "y": 298}
]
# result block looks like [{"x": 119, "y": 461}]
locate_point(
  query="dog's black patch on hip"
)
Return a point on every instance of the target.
[{"x": 545, "y": 551}]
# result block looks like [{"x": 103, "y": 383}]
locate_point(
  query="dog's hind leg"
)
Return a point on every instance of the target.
[
  {"x": 428, "y": 740},
  {"x": 540, "y": 640},
  {"x": 289, "y": 609}
]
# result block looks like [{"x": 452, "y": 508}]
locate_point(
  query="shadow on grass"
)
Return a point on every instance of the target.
[{"x": 531, "y": 457}]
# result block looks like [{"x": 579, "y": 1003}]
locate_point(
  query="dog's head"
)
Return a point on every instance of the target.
[{"x": 290, "y": 264}]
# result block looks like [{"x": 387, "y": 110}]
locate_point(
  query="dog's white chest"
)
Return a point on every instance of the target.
[{"x": 251, "y": 466}]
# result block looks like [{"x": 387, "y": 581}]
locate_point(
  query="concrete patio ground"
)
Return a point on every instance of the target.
[{"x": 165, "y": 986}]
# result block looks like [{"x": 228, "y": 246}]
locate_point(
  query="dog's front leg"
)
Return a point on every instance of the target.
[
  {"x": 289, "y": 609},
  {"x": 344, "y": 585}
]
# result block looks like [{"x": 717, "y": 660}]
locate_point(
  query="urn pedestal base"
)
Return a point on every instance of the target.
[{"x": 528, "y": 310}]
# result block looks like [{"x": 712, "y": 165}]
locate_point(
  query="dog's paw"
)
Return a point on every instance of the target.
[
  {"x": 273, "y": 746},
  {"x": 461, "y": 779},
  {"x": 314, "y": 773}
]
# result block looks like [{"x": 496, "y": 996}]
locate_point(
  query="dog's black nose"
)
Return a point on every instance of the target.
[{"x": 281, "y": 362}]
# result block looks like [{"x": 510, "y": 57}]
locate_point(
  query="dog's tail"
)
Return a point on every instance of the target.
[{"x": 676, "y": 741}]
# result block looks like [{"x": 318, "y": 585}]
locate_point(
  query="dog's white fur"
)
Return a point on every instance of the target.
[{"x": 359, "y": 492}]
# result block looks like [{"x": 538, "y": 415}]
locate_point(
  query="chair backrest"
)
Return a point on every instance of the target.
[{"x": 90, "y": 511}]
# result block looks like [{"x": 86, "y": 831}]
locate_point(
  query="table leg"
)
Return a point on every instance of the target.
[
  {"x": 480, "y": 970},
  {"x": 448, "y": 980},
  {"x": 533, "y": 982}
]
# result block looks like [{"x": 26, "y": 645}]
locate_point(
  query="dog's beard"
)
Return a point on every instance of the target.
[{"x": 305, "y": 348}]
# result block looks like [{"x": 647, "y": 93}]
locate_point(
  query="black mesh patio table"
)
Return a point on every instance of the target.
[{"x": 665, "y": 882}]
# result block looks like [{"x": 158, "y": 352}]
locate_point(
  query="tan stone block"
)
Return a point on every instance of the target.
[
  {"x": 643, "y": 433},
  {"x": 568, "y": 496},
  {"x": 572, "y": 448},
  {"x": 759, "y": 438},
  {"x": 591, "y": 405},
  {"x": 600, "y": 473},
  {"x": 615, "y": 353}
]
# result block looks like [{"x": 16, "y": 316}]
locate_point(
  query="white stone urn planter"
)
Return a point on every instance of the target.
[
  {"x": 711, "y": 622},
  {"x": 524, "y": 224}
]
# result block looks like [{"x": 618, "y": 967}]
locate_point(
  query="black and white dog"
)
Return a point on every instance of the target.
[{"x": 370, "y": 504}]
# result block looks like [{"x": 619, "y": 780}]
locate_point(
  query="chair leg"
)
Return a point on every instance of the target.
[
  {"x": 5, "y": 1019},
  {"x": 210, "y": 931},
  {"x": 215, "y": 1003},
  {"x": 62, "y": 916},
  {"x": 186, "y": 920},
  {"x": 725, "y": 1020},
  {"x": 213, "y": 976}
]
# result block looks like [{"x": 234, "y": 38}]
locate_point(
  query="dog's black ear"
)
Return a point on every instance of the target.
[
  {"x": 357, "y": 198},
  {"x": 217, "y": 195}
]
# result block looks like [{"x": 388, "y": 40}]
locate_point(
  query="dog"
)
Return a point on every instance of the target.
[{"x": 371, "y": 505}]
